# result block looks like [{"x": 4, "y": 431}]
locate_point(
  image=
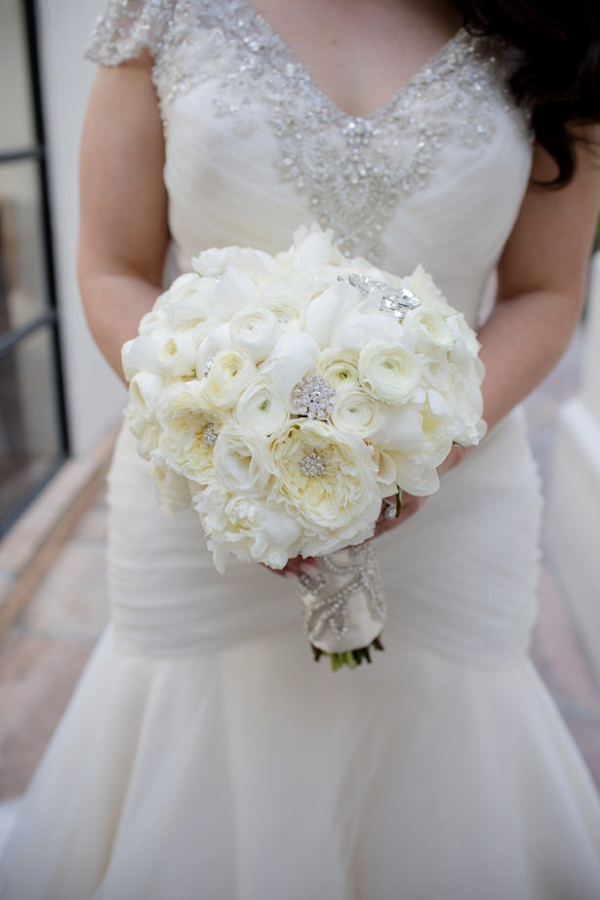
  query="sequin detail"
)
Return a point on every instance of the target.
[{"x": 353, "y": 170}]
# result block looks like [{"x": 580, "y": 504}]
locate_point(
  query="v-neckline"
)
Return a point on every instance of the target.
[{"x": 458, "y": 38}]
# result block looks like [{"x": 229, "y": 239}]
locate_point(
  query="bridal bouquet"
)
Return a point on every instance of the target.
[{"x": 284, "y": 396}]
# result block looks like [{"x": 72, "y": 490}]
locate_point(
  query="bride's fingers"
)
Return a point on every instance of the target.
[
  {"x": 294, "y": 567},
  {"x": 410, "y": 505}
]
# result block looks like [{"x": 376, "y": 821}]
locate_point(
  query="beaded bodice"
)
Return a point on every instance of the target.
[{"x": 255, "y": 148}]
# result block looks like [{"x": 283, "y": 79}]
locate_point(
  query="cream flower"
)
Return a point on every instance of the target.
[
  {"x": 174, "y": 492},
  {"x": 229, "y": 373},
  {"x": 292, "y": 357},
  {"x": 357, "y": 412},
  {"x": 388, "y": 372},
  {"x": 255, "y": 332},
  {"x": 253, "y": 529},
  {"x": 242, "y": 461},
  {"x": 329, "y": 480},
  {"x": 261, "y": 407},
  {"x": 339, "y": 368},
  {"x": 188, "y": 432}
]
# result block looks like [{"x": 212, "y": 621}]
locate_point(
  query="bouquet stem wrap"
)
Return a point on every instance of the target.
[{"x": 344, "y": 604}]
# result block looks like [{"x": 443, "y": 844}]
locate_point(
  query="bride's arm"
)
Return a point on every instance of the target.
[
  {"x": 542, "y": 277},
  {"x": 123, "y": 217},
  {"x": 542, "y": 280}
]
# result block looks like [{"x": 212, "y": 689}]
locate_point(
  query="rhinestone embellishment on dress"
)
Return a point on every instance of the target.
[{"x": 352, "y": 170}]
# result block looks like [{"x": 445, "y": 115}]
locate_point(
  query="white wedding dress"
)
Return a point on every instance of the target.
[{"x": 205, "y": 756}]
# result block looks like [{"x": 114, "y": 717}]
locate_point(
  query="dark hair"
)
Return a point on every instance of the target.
[{"x": 558, "y": 78}]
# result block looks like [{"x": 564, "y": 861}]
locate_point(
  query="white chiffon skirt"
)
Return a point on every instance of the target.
[{"x": 205, "y": 756}]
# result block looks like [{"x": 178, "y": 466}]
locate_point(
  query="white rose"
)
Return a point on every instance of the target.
[
  {"x": 229, "y": 374},
  {"x": 255, "y": 332},
  {"x": 340, "y": 368},
  {"x": 357, "y": 412},
  {"x": 250, "y": 528},
  {"x": 329, "y": 480},
  {"x": 261, "y": 407},
  {"x": 242, "y": 461},
  {"x": 292, "y": 357},
  {"x": 389, "y": 372},
  {"x": 188, "y": 432}
]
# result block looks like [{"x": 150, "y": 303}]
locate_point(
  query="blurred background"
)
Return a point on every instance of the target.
[{"x": 60, "y": 407}]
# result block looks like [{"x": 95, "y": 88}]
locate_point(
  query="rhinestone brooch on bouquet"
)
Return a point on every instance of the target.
[{"x": 396, "y": 300}]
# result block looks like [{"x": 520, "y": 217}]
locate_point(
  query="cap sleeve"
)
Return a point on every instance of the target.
[{"x": 126, "y": 27}]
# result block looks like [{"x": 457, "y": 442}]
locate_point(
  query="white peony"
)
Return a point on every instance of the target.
[
  {"x": 253, "y": 529},
  {"x": 329, "y": 480},
  {"x": 188, "y": 432},
  {"x": 293, "y": 356},
  {"x": 174, "y": 493}
]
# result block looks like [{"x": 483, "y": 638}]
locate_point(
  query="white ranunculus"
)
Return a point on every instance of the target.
[
  {"x": 261, "y": 407},
  {"x": 388, "y": 372},
  {"x": 329, "y": 480},
  {"x": 255, "y": 332},
  {"x": 253, "y": 529},
  {"x": 292, "y": 357},
  {"x": 357, "y": 412},
  {"x": 230, "y": 372},
  {"x": 287, "y": 310},
  {"x": 339, "y": 368},
  {"x": 188, "y": 432},
  {"x": 141, "y": 354},
  {"x": 242, "y": 461}
]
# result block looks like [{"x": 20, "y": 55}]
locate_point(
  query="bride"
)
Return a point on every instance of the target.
[{"x": 204, "y": 755}]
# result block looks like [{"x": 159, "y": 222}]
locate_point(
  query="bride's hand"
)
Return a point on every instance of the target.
[{"x": 410, "y": 505}]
